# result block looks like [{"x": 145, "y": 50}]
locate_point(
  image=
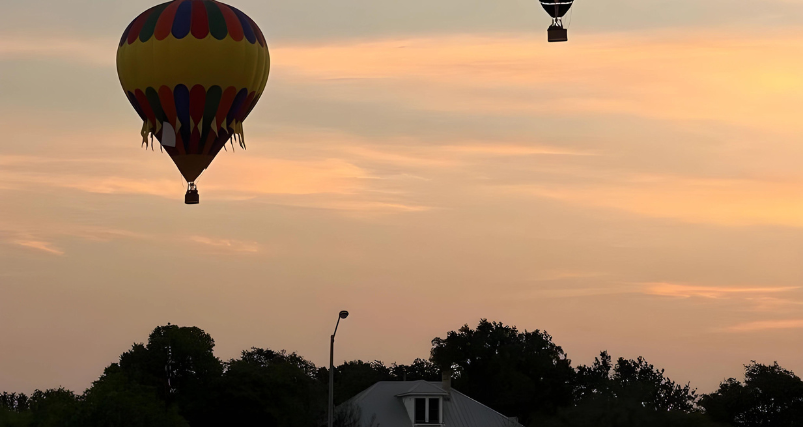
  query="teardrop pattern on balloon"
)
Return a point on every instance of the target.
[
  {"x": 196, "y": 18},
  {"x": 216, "y": 115}
]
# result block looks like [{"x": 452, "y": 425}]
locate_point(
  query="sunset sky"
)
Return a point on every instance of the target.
[{"x": 422, "y": 164}]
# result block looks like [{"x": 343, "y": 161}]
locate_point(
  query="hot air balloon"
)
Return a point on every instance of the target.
[
  {"x": 193, "y": 70},
  {"x": 557, "y": 9}
]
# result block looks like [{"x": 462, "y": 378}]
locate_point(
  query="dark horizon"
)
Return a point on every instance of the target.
[{"x": 175, "y": 380}]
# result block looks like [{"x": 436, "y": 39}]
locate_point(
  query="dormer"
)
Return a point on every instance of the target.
[
  {"x": 420, "y": 404},
  {"x": 424, "y": 404}
]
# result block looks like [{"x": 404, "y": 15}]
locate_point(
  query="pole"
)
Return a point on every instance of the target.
[
  {"x": 331, "y": 409},
  {"x": 332, "y": 379}
]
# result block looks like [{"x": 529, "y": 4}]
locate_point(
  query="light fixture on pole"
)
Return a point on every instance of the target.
[{"x": 343, "y": 314}]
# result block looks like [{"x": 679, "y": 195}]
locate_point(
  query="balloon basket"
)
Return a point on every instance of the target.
[
  {"x": 192, "y": 197},
  {"x": 557, "y": 34}
]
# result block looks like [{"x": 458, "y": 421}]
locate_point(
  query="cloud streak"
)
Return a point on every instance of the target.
[
  {"x": 767, "y": 325},
  {"x": 610, "y": 75},
  {"x": 730, "y": 202},
  {"x": 227, "y": 245},
  {"x": 94, "y": 52},
  {"x": 232, "y": 176},
  {"x": 40, "y": 246},
  {"x": 505, "y": 74},
  {"x": 514, "y": 150},
  {"x": 710, "y": 292}
]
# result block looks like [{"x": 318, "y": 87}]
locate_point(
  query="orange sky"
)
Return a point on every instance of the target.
[{"x": 636, "y": 190}]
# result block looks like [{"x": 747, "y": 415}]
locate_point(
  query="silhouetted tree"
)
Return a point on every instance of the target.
[
  {"x": 14, "y": 411},
  {"x": 9, "y": 418},
  {"x": 49, "y": 408},
  {"x": 634, "y": 380},
  {"x": 174, "y": 380},
  {"x": 117, "y": 400},
  {"x": 769, "y": 396},
  {"x": 177, "y": 359},
  {"x": 354, "y": 377},
  {"x": 16, "y": 402},
  {"x": 608, "y": 411},
  {"x": 180, "y": 364},
  {"x": 420, "y": 369},
  {"x": 53, "y": 408},
  {"x": 519, "y": 374},
  {"x": 595, "y": 380},
  {"x": 266, "y": 388},
  {"x": 629, "y": 393}
]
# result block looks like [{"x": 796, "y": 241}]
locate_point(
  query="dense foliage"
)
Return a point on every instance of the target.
[
  {"x": 516, "y": 373},
  {"x": 174, "y": 380},
  {"x": 769, "y": 396}
]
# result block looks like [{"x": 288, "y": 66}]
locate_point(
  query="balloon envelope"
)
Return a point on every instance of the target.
[
  {"x": 557, "y": 8},
  {"x": 193, "y": 70}
]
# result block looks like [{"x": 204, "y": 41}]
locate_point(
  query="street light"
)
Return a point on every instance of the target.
[{"x": 343, "y": 314}]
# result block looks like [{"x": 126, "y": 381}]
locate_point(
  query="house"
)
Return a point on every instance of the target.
[{"x": 418, "y": 404}]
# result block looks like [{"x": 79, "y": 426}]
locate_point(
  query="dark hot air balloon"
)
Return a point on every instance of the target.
[
  {"x": 557, "y": 9},
  {"x": 193, "y": 70}
]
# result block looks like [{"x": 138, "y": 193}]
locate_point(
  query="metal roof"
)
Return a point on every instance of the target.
[{"x": 382, "y": 403}]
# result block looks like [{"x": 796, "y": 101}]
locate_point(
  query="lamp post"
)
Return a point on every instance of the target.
[{"x": 343, "y": 314}]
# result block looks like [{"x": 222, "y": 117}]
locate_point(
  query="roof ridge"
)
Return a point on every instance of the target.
[{"x": 422, "y": 387}]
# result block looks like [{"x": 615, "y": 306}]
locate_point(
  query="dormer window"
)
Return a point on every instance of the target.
[{"x": 428, "y": 410}]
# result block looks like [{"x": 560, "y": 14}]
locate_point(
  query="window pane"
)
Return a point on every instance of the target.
[
  {"x": 420, "y": 410},
  {"x": 434, "y": 411}
]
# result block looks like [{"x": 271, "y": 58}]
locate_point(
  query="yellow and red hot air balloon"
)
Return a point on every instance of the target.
[{"x": 193, "y": 70}]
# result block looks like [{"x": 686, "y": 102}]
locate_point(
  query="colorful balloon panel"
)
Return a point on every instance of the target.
[
  {"x": 199, "y": 66},
  {"x": 198, "y": 17}
]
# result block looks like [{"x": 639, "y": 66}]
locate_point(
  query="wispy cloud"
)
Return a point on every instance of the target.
[
  {"x": 579, "y": 292},
  {"x": 646, "y": 81},
  {"x": 103, "y": 234},
  {"x": 86, "y": 51},
  {"x": 20, "y": 236},
  {"x": 254, "y": 175},
  {"x": 736, "y": 80},
  {"x": 711, "y": 292},
  {"x": 507, "y": 74},
  {"x": 759, "y": 298},
  {"x": 412, "y": 155},
  {"x": 504, "y": 74},
  {"x": 236, "y": 176},
  {"x": 39, "y": 245},
  {"x": 733, "y": 202},
  {"x": 514, "y": 150},
  {"x": 227, "y": 245},
  {"x": 764, "y": 303},
  {"x": 766, "y": 325},
  {"x": 120, "y": 185}
]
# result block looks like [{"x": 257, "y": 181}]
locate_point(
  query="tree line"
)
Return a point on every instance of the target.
[{"x": 174, "y": 380}]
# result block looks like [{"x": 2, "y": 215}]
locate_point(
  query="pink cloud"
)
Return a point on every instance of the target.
[
  {"x": 766, "y": 325},
  {"x": 227, "y": 245},
  {"x": 40, "y": 246},
  {"x": 712, "y": 292}
]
